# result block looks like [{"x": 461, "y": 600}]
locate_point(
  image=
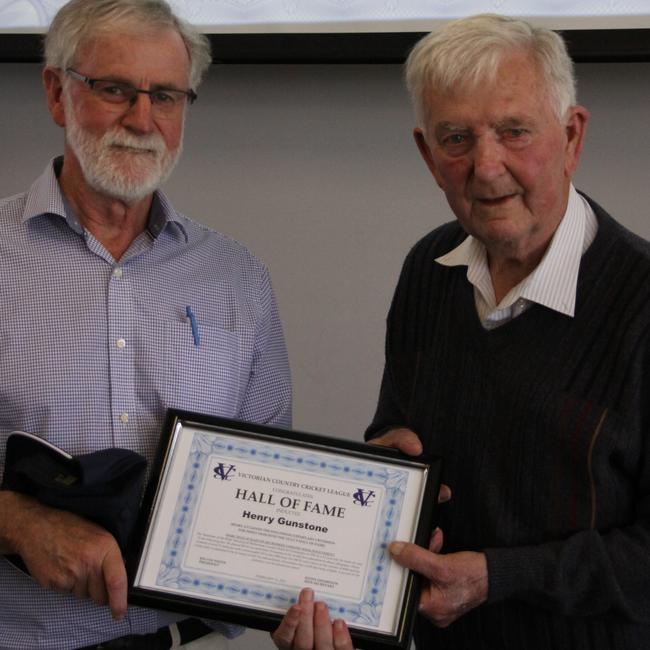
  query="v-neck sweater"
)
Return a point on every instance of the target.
[{"x": 543, "y": 427}]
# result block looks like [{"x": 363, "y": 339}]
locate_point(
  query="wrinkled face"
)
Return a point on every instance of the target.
[
  {"x": 124, "y": 151},
  {"x": 502, "y": 157}
]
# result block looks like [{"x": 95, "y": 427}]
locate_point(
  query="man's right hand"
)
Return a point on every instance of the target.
[
  {"x": 407, "y": 442},
  {"x": 64, "y": 552},
  {"x": 307, "y": 626}
]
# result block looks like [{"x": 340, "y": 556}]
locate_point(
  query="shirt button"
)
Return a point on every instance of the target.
[
  {"x": 117, "y": 273},
  {"x": 121, "y": 343},
  {"x": 124, "y": 418}
]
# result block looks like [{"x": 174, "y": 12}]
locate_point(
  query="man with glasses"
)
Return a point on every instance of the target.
[{"x": 117, "y": 307}]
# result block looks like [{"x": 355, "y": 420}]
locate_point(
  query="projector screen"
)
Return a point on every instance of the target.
[
  {"x": 290, "y": 16},
  {"x": 294, "y": 21}
]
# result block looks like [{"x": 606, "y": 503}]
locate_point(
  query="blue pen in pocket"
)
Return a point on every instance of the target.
[{"x": 193, "y": 324}]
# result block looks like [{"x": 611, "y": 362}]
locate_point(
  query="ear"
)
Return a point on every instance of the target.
[
  {"x": 425, "y": 152},
  {"x": 576, "y": 128},
  {"x": 53, "y": 85}
]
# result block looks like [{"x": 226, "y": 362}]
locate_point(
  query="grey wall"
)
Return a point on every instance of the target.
[{"x": 314, "y": 169}]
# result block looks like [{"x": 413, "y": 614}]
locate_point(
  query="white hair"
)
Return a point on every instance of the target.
[
  {"x": 79, "y": 20},
  {"x": 469, "y": 51}
]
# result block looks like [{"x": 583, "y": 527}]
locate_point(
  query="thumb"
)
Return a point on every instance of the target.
[{"x": 413, "y": 557}]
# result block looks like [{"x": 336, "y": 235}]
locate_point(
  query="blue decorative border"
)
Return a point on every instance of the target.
[{"x": 367, "y": 611}]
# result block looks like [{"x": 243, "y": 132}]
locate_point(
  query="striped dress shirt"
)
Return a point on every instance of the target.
[
  {"x": 94, "y": 350},
  {"x": 553, "y": 282}
]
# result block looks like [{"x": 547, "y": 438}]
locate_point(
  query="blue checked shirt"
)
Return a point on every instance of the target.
[{"x": 93, "y": 351}]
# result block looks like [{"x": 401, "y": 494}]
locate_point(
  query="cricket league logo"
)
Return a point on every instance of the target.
[
  {"x": 224, "y": 471},
  {"x": 363, "y": 497}
]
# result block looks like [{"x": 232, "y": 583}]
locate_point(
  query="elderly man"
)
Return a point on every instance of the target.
[
  {"x": 116, "y": 308},
  {"x": 517, "y": 349}
]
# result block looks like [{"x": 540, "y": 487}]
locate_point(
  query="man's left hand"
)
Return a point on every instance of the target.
[{"x": 456, "y": 582}]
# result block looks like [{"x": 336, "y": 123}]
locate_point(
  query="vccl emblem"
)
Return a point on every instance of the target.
[
  {"x": 224, "y": 471},
  {"x": 363, "y": 497}
]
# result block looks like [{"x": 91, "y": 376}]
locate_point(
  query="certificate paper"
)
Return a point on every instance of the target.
[{"x": 244, "y": 517}]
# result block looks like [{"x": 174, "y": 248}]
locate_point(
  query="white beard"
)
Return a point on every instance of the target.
[{"x": 120, "y": 164}]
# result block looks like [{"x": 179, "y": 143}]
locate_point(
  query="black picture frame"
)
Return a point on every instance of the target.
[{"x": 182, "y": 423}]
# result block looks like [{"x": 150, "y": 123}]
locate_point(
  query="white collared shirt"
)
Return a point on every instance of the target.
[{"x": 554, "y": 281}]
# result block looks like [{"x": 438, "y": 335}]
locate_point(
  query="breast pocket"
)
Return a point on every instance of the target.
[{"x": 208, "y": 377}]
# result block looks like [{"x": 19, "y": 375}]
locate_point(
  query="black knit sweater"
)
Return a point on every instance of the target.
[{"x": 543, "y": 424}]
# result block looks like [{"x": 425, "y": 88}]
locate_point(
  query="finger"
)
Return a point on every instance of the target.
[
  {"x": 97, "y": 589},
  {"x": 444, "y": 493},
  {"x": 341, "y": 635},
  {"x": 403, "y": 439},
  {"x": 437, "y": 539},
  {"x": 322, "y": 627},
  {"x": 430, "y": 603},
  {"x": 80, "y": 588},
  {"x": 284, "y": 634},
  {"x": 414, "y": 557},
  {"x": 114, "y": 574},
  {"x": 304, "y": 637}
]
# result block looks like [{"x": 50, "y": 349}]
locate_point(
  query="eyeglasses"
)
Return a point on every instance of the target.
[{"x": 163, "y": 100}]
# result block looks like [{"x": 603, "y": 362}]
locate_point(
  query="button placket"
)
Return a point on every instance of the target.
[{"x": 122, "y": 358}]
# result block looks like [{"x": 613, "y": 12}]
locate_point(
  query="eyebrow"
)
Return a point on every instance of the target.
[
  {"x": 442, "y": 128},
  {"x": 451, "y": 126},
  {"x": 513, "y": 121},
  {"x": 121, "y": 80}
]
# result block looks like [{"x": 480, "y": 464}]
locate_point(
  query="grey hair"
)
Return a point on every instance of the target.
[
  {"x": 79, "y": 20},
  {"x": 469, "y": 50}
]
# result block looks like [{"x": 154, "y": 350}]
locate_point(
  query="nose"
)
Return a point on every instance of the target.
[
  {"x": 139, "y": 116},
  {"x": 488, "y": 158}
]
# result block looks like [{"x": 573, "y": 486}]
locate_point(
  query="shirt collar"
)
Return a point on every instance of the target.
[
  {"x": 554, "y": 282},
  {"x": 45, "y": 197}
]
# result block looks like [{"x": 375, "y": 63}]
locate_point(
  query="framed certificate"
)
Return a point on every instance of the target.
[{"x": 238, "y": 517}]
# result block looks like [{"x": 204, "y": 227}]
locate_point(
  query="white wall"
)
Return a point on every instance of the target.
[{"x": 314, "y": 169}]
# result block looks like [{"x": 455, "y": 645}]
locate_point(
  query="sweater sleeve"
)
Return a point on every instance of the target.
[
  {"x": 588, "y": 574},
  {"x": 600, "y": 570}
]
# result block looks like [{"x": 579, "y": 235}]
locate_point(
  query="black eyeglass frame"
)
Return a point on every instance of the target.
[{"x": 90, "y": 82}]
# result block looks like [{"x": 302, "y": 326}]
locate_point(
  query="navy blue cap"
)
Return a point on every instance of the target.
[{"x": 103, "y": 486}]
